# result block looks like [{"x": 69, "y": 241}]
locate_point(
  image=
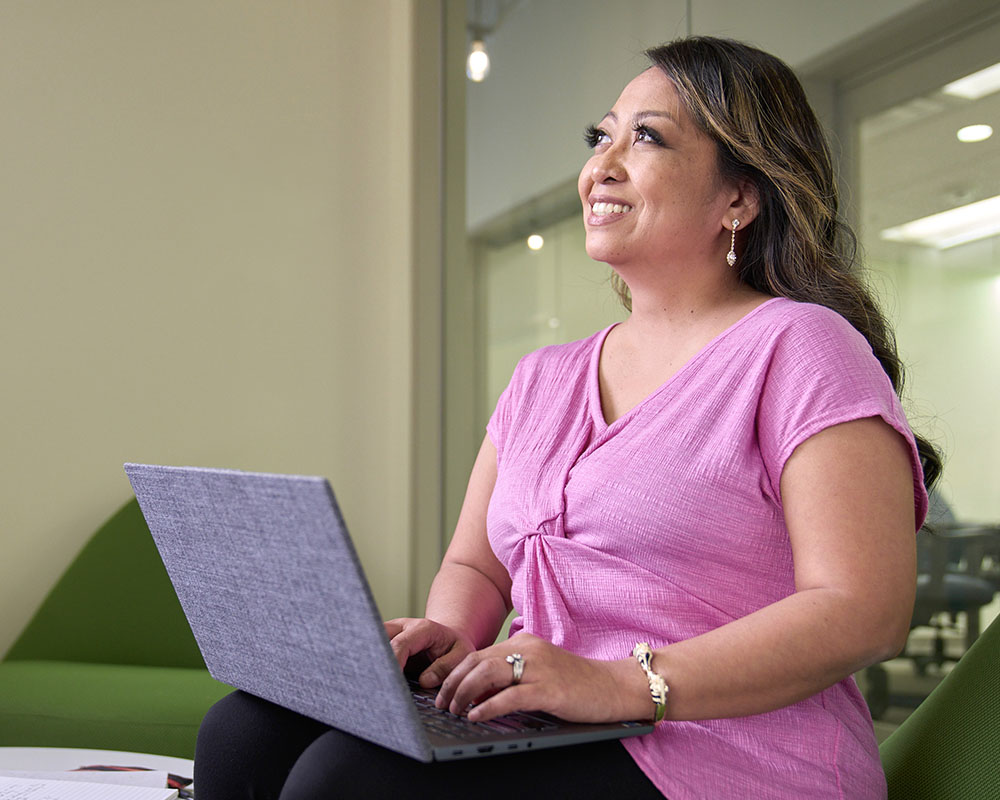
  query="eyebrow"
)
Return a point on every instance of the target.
[{"x": 642, "y": 115}]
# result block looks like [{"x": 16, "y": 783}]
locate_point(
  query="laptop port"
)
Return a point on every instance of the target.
[{"x": 485, "y": 748}]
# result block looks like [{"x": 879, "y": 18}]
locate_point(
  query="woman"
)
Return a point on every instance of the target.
[{"x": 727, "y": 476}]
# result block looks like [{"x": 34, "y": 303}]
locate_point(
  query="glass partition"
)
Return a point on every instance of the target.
[
  {"x": 930, "y": 226},
  {"x": 530, "y": 298},
  {"x": 924, "y": 152}
]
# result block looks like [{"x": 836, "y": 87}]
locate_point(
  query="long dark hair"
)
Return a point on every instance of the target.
[{"x": 754, "y": 108}]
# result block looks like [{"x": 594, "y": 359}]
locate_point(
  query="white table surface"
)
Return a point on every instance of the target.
[{"x": 65, "y": 758}]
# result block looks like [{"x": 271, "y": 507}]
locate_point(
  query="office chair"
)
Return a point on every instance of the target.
[
  {"x": 958, "y": 573},
  {"x": 959, "y": 576}
]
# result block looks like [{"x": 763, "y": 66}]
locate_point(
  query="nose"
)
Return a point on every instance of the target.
[{"x": 607, "y": 167}]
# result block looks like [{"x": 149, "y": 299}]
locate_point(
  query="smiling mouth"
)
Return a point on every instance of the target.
[{"x": 603, "y": 209}]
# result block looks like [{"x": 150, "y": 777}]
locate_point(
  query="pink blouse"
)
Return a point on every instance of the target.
[{"x": 668, "y": 523}]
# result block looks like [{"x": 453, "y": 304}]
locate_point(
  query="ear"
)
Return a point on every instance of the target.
[{"x": 744, "y": 206}]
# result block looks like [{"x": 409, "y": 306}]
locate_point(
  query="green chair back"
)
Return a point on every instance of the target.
[
  {"x": 949, "y": 748},
  {"x": 113, "y": 605}
]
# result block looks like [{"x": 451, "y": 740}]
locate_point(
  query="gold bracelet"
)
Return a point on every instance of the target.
[{"x": 658, "y": 688}]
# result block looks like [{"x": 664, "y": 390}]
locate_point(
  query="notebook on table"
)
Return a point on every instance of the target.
[{"x": 272, "y": 587}]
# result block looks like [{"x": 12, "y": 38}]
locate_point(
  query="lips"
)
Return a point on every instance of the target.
[{"x": 606, "y": 210}]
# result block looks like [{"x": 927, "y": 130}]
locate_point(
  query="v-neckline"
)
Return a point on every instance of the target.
[{"x": 594, "y": 379}]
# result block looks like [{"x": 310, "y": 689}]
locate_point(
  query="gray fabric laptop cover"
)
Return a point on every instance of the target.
[{"x": 272, "y": 587}]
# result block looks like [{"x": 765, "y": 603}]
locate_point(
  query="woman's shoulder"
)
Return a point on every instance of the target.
[
  {"x": 805, "y": 345},
  {"x": 807, "y": 327},
  {"x": 560, "y": 359},
  {"x": 548, "y": 384},
  {"x": 783, "y": 312}
]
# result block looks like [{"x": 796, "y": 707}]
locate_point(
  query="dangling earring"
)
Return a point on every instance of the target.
[{"x": 731, "y": 255}]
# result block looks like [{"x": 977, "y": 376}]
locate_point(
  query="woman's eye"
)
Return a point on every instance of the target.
[
  {"x": 647, "y": 134},
  {"x": 595, "y": 136}
]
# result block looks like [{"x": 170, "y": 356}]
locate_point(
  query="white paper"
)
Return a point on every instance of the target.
[
  {"x": 34, "y": 789},
  {"x": 157, "y": 778}
]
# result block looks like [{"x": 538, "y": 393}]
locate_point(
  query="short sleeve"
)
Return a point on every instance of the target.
[
  {"x": 499, "y": 423},
  {"x": 823, "y": 373},
  {"x": 502, "y": 419},
  {"x": 547, "y": 388}
]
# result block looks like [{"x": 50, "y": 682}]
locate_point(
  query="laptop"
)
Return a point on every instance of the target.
[{"x": 271, "y": 585}]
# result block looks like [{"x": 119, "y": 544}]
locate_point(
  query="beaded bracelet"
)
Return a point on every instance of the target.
[{"x": 658, "y": 688}]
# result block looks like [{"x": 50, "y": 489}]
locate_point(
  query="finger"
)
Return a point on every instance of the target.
[
  {"x": 400, "y": 649},
  {"x": 411, "y": 638},
  {"x": 487, "y": 678},
  {"x": 442, "y": 667},
  {"x": 454, "y": 678},
  {"x": 461, "y": 670},
  {"x": 393, "y": 627},
  {"x": 421, "y": 636},
  {"x": 514, "y": 698}
]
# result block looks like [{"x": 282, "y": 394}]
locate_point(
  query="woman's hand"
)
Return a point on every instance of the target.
[
  {"x": 443, "y": 646},
  {"x": 554, "y": 680}
]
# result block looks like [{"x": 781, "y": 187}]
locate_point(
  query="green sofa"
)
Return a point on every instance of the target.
[
  {"x": 949, "y": 748},
  {"x": 108, "y": 661}
]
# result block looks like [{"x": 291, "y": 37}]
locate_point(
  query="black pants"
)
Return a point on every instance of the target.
[{"x": 249, "y": 749}]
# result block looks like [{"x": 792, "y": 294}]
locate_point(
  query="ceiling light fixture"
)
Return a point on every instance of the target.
[
  {"x": 536, "y": 242},
  {"x": 974, "y": 133},
  {"x": 477, "y": 65},
  {"x": 978, "y": 84},
  {"x": 950, "y": 228},
  {"x": 486, "y": 20}
]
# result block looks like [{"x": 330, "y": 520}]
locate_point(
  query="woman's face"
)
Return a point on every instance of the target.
[{"x": 651, "y": 191}]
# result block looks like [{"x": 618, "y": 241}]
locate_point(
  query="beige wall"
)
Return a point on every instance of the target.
[{"x": 207, "y": 249}]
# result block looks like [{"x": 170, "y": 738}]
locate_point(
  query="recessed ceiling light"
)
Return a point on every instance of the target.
[
  {"x": 974, "y": 133},
  {"x": 952, "y": 227},
  {"x": 536, "y": 242},
  {"x": 978, "y": 84}
]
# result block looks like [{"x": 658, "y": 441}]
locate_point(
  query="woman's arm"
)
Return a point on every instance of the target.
[
  {"x": 847, "y": 493},
  {"x": 471, "y": 591},
  {"x": 848, "y": 499},
  {"x": 470, "y": 596}
]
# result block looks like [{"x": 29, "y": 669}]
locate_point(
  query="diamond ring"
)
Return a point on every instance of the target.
[{"x": 516, "y": 660}]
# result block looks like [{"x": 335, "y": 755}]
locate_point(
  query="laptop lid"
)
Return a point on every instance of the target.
[
  {"x": 272, "y": 587},
  {"x": 276, "y": 598}
]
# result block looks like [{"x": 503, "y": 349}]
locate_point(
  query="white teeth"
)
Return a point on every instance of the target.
[{"x": 603, "y": 209}]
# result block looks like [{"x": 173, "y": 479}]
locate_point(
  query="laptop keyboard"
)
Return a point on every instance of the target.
[{"x": 444, "y": 723}]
